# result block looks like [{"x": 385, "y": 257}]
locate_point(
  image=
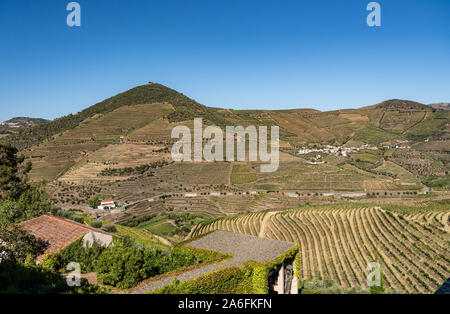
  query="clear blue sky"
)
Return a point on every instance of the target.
[{"x": 225, "y": 53}]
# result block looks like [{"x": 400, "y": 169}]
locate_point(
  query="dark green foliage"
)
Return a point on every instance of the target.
[
  {"x": 437, "y": 181},
  {"x": 16, "y": 278},
  {"x": 19, "y": 200},
  {"x": 94, "y": 203},
  {"x": 110, "y": 228},
  {"x": 30, "y": 204},
  {"x": 75, "y": 252},
  {"x": 377, "y": 290},
  {"x": 12, "y": 173},
  {"x": 68, "y": 214},
  {"x": 96, "y": 224},
  {"x": 18, "y": 244},
  {"x": 78, "y": 219},
  {"x": 124, "y": 266},
  {"x": 136, "y": 221}
]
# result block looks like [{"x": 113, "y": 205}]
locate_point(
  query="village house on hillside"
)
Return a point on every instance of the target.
[
  {"x": 335, "y": 150},
  {"x": 107, "y": 204},
  {"x": 60, "y": 233}
]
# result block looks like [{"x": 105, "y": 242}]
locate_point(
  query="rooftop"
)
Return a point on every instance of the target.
[{"x": 58, "y": 232}]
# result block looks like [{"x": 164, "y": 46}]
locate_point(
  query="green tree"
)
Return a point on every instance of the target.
[
  {"x": 32, "y": 202},
  {"x": 18, "y": 244},
  {"x": 19, "y": 200},
  {"x": 94, "y": 203},
  {"x": 13, "y": 174}
]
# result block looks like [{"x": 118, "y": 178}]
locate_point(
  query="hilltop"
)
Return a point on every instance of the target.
[
  {"x": 151, "y": 93},
  {"x": 399, "y": 104},
  {"x": 20, "y": 123}
]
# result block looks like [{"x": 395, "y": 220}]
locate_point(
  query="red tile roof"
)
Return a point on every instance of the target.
[
  {"x": 59, "y": 232},
  {"x": 107, "y": 203}
]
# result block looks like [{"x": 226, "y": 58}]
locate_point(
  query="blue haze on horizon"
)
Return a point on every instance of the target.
[{"x": 241, "y": 54}]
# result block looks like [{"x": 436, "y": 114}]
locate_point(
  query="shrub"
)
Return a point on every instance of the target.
[
  {"x": 75, "y": 252},
  {"x": 53, "y": 262},
  {"x": 96, "y": 224},
  {"x": 124, "y": 265},
  {"x": 110, "y": 228},
  {"x": 78, "y": 219}
]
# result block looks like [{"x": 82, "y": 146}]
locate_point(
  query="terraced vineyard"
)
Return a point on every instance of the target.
[
  {"x": 340, "y": 242},
  {"x": 242, "y": 223},
  {"x": 434, "y": 220}
]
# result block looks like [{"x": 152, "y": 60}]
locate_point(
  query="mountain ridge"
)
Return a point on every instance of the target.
[{"x": 292, "y": 121}]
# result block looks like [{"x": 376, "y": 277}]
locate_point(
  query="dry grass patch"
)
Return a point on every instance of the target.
[{"x": 113, "y": 156}]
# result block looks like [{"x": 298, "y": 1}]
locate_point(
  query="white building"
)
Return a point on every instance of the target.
[{"x": 107, "y": 204}]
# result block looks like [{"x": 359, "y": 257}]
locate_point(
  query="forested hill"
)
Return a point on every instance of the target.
[{"x": 185, "y": 109}]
